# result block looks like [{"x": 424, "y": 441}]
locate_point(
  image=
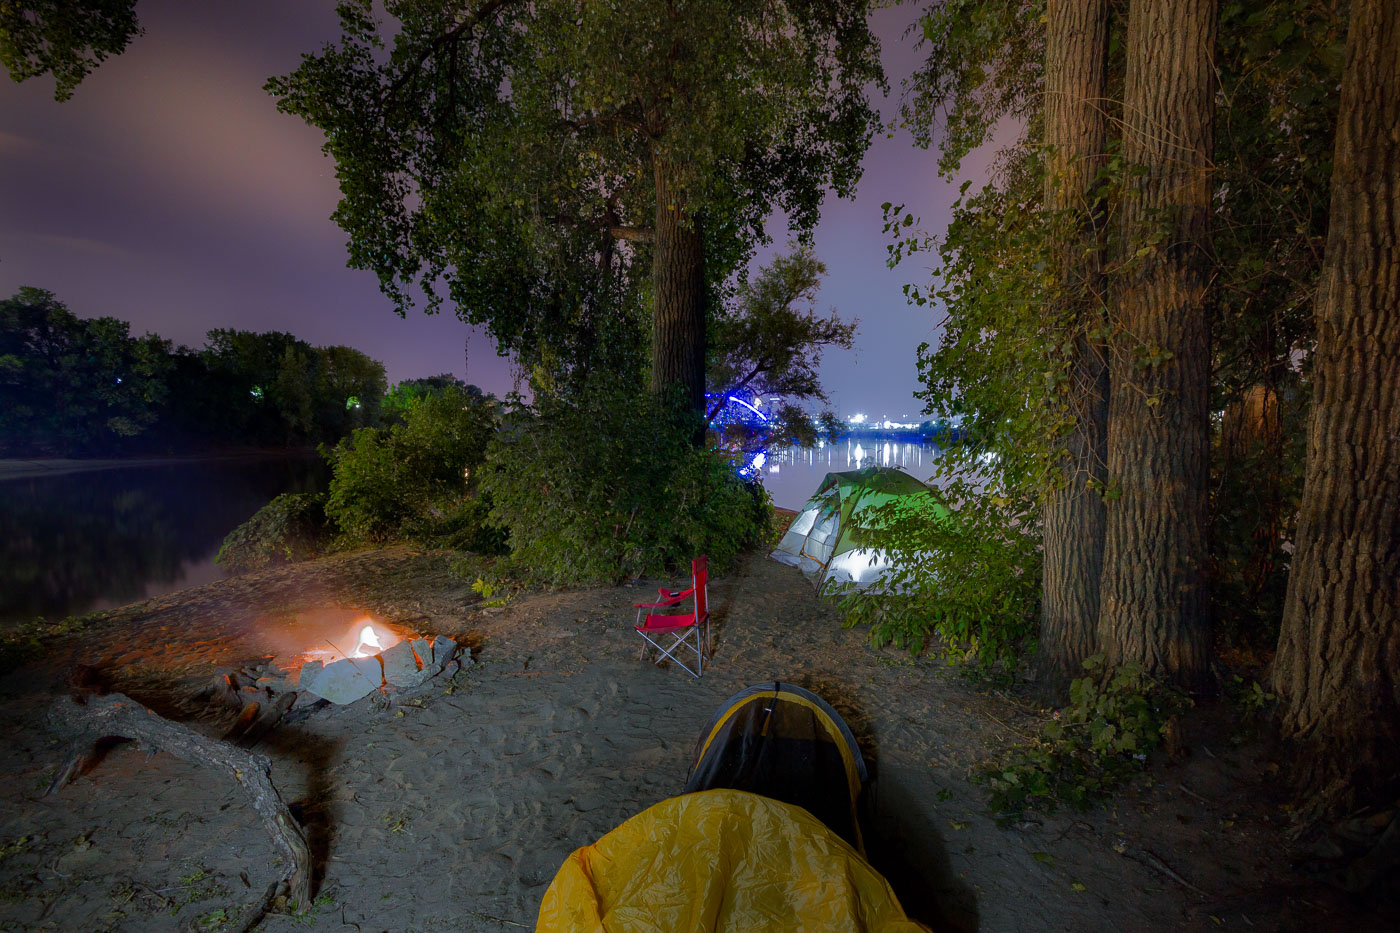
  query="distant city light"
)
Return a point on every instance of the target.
[{"x": 858, "y": 419}]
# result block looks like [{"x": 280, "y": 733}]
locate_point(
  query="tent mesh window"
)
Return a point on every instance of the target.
[{"x": 788, "y": 744}]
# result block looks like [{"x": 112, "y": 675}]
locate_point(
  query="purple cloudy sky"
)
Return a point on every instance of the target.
[{"x": 169, "y": 192}]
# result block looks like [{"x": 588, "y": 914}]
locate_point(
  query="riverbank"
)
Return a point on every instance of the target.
[
  {"x": 21, "y": 468},
  {"x": 452, "y": 813}
]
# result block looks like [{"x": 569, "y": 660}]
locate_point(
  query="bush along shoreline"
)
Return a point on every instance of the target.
[{"x": 602, "y": 488}]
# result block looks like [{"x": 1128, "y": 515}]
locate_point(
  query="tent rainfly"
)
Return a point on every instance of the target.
[
  {"x": 830, "y": 539},
  {"x": 765, "y": 837}
]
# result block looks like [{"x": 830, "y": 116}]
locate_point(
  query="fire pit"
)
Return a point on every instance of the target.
[{"x": 342, "y": 655}]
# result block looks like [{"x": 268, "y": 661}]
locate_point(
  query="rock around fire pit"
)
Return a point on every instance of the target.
[{"x": 403, "y": 666}]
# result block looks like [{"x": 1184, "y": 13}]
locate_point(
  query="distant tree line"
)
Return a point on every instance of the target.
[{"x": 71, "y": 386}]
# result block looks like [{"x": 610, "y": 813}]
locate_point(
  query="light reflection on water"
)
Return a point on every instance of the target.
[
  {"x": 792, "y": 474},
  {"x": 78, "y": 542}
]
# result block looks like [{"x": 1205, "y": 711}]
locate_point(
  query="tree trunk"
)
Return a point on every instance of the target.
[
  {"x": 678, "y": 295},
  {"x": 1153, "y": 606},
  {"x": 1338, "y": 664},
  {"x": 1076, "y": 133}
]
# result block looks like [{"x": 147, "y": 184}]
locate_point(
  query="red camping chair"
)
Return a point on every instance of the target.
[{"x": 691, "y": 631}]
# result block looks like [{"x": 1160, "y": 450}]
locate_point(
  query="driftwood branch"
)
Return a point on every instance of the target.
[{"x": 117, "y": 715}]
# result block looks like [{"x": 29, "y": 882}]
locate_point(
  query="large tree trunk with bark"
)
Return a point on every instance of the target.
[
  {"x": 1338, "y": 664},
  {"x": 1153, "y": 601},
  {"x": 678, "y": 295},
  {"x": 1076, "y": 134}
]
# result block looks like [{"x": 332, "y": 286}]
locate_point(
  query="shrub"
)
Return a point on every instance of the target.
[
  {"x": 291, "y": 527},
  {"x": 1115, "y": 718},
  {"x": 971, "y": 579},
  {"x": 609, "y": 486},
  {"x": 415, "y": 479}
]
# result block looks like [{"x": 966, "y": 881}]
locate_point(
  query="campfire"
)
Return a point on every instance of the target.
[
  {"x": 306, "y": 668},
  {"x": 345, "y": 633},
  {"x": 342, "y": 655},
  {"x": 369, "y": 638}
]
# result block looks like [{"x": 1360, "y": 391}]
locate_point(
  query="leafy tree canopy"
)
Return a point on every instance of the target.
[
  {"x": 403, "y": 394},
  {"x": 504, "y": 155},
  {"x": 73, "y": 385},
  {"x": 771, "y": 341},
  {"x": 65, "y": 38}
]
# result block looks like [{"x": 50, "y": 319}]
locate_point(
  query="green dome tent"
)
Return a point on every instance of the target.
[{"x": 830, "y": 539}]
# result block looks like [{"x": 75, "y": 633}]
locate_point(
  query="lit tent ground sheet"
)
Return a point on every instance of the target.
[{"x": 453, "y": 811}]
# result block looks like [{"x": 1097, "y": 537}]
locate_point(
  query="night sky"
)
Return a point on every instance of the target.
[{"x": 169, "y": 192}]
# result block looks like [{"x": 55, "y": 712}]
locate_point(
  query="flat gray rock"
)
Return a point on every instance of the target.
[
  {"x": 401, "y": 666},
  {"x": 343, "y": 681}
]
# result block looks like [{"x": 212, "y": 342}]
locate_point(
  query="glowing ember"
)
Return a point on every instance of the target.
[{"x": 368, "y": 639}]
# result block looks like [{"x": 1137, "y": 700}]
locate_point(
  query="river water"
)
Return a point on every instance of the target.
[{"x": 79, "y": 542}]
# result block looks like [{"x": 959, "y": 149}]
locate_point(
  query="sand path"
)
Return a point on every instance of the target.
[{"x": 453, "y": 813}]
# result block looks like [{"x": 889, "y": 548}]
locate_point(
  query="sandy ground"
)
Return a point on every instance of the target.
[{"x": 453, "y": 813}]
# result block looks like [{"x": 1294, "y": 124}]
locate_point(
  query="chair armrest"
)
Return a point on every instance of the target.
[{"x": 664, "y": 604}]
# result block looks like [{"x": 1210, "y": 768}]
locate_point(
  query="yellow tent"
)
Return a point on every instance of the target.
[{"x": 720, "y": 861}]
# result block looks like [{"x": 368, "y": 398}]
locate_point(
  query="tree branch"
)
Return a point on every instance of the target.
[
  {"x": 487, "y": 10},
  {"x": 632, "y": 234},
  {"x": 760, "y": 368},
  {"x": 118, "y": 715}
]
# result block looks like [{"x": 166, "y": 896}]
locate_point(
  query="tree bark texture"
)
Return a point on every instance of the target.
[
  {"x": 678, "y": 299},
  {"x": 1153, "y": 601},
  {"x": 118, "y": 715},
  {"x": 1076, "y": 135},
  {"x": 1338, "y": 663}
]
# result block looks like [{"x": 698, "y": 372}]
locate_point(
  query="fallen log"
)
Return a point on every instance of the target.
[{"x": 115, "y": 715}]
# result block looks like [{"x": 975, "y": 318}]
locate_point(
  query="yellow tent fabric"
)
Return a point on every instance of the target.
[{"x": 720, "y": 861}]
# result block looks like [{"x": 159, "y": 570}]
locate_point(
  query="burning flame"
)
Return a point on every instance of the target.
[{"x": 369, "y": 638}]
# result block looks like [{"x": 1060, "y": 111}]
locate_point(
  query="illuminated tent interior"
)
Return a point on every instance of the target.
[{"x": 830, "y": 539}]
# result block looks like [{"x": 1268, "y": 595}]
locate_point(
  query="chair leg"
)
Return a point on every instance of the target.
[{"x": 665, "y": 653}]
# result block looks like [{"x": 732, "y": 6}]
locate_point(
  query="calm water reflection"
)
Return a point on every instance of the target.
[
  {"x": 86, "y": 541},
  {"x": 792, "y": 474}
]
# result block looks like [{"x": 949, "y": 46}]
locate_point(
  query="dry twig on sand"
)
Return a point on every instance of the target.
[{"x": 118, "y": 715}]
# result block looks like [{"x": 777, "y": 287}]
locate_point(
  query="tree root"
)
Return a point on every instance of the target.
[{"x": 117, "y": 715}]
